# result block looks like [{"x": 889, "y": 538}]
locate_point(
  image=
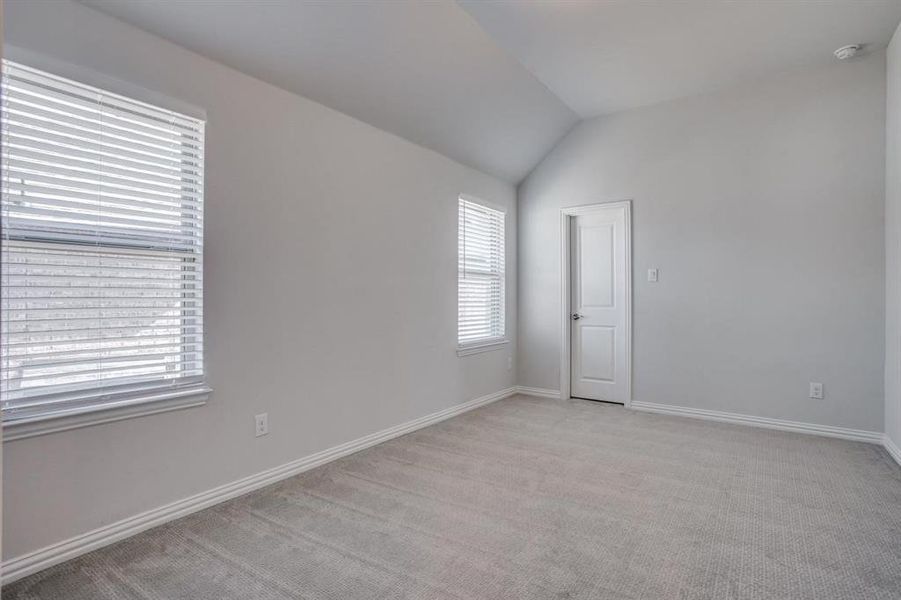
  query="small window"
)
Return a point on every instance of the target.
[
  {"x": 480, "y": 280},
  {"x": 102, "y": 249}
]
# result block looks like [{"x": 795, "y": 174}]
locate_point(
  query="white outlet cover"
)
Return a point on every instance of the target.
[
  {"x": 816, "y": 390},
  {"x": 261, "y": 424},
  {"x": 652, "y": 275}
]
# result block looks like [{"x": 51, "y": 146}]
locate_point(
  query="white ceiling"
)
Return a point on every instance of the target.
[
  {"x": 495, "y": 84},
  {"x": 422, "y": 70},
  {"x": 605, "y": 56}
]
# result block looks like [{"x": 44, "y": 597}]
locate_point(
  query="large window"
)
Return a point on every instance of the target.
[
  {"x": 102, "y": 245},
  {"x": 480, "y": 280}
]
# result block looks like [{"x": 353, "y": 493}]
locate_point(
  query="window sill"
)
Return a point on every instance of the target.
[
  {"x": 149, "y": 404},
  {"x": 479, "y": 347}
]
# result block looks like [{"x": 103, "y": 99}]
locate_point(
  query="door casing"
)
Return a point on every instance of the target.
[{"x": 566, "y": 215}]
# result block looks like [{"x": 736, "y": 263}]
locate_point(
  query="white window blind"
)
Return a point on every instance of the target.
[
  {"x": 480, "y": 284},
  {"x": 102, "y": 239}
]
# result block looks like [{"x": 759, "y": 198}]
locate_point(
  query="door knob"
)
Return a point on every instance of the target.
[{"x": 576, "y": 316}]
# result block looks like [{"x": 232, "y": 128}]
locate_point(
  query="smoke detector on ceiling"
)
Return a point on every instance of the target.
[{"x": 846, "y": 52}]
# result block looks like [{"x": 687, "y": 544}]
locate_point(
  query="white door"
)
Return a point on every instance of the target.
[{"x": 598, "y": 312}]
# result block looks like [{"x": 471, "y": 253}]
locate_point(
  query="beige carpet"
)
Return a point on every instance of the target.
[{"x": 534, "y": 499}]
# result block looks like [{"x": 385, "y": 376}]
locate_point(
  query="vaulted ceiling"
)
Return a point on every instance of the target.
[
  {"x": 606, "y": 56},
  {"x": 425, "y": 71},
  {"x": 495, "y": 85}
]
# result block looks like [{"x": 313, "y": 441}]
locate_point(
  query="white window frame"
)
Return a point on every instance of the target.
[
  {"x": 484, "y": 344},
  {"x": 115, "y": 402}
]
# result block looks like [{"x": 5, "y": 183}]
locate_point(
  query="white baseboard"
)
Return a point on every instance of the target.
[
  {"x": 857, "y": 435},
  {"x": 892, "y": 448},
  {"x": 22, "y": 566},
  {"x": 540, "y": 392}
]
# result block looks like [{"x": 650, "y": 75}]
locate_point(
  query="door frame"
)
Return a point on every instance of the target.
[{"x": 566, "y": 217}]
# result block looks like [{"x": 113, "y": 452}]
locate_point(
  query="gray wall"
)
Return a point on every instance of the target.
[
  {"x": 330, "y": 291},
  {"x": 893, "y": 242},
  {"x": 763, "y": 209}
]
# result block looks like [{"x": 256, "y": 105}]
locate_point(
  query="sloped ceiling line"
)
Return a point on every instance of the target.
[
  {"x": 425, "y": 71},
  {"x": 496, "y": 85}
]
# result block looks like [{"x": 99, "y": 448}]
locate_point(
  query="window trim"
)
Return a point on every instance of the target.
[
  {"x": 90, "y": 77},
  {"x": 487, "y": 344},
  {"x": 152, "y": 401}
]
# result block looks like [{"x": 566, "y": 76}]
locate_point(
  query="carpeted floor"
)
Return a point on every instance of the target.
[{"x": 534, "y": 499}]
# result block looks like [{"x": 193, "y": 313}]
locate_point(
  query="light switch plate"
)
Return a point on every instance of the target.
[
  {"x": 652, "y": 275},
  {"x": 816, "y": 390}
]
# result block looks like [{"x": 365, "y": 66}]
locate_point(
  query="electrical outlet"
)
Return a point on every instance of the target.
[
  {"x": 509, "y": 363},
  {"x": 262, "y": 424},
  {"x": 816, "y": 390}
]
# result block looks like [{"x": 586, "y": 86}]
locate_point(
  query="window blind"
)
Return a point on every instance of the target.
[
  {"x": 480, "y": 283},
  {"x": 102, "y": 247}
]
